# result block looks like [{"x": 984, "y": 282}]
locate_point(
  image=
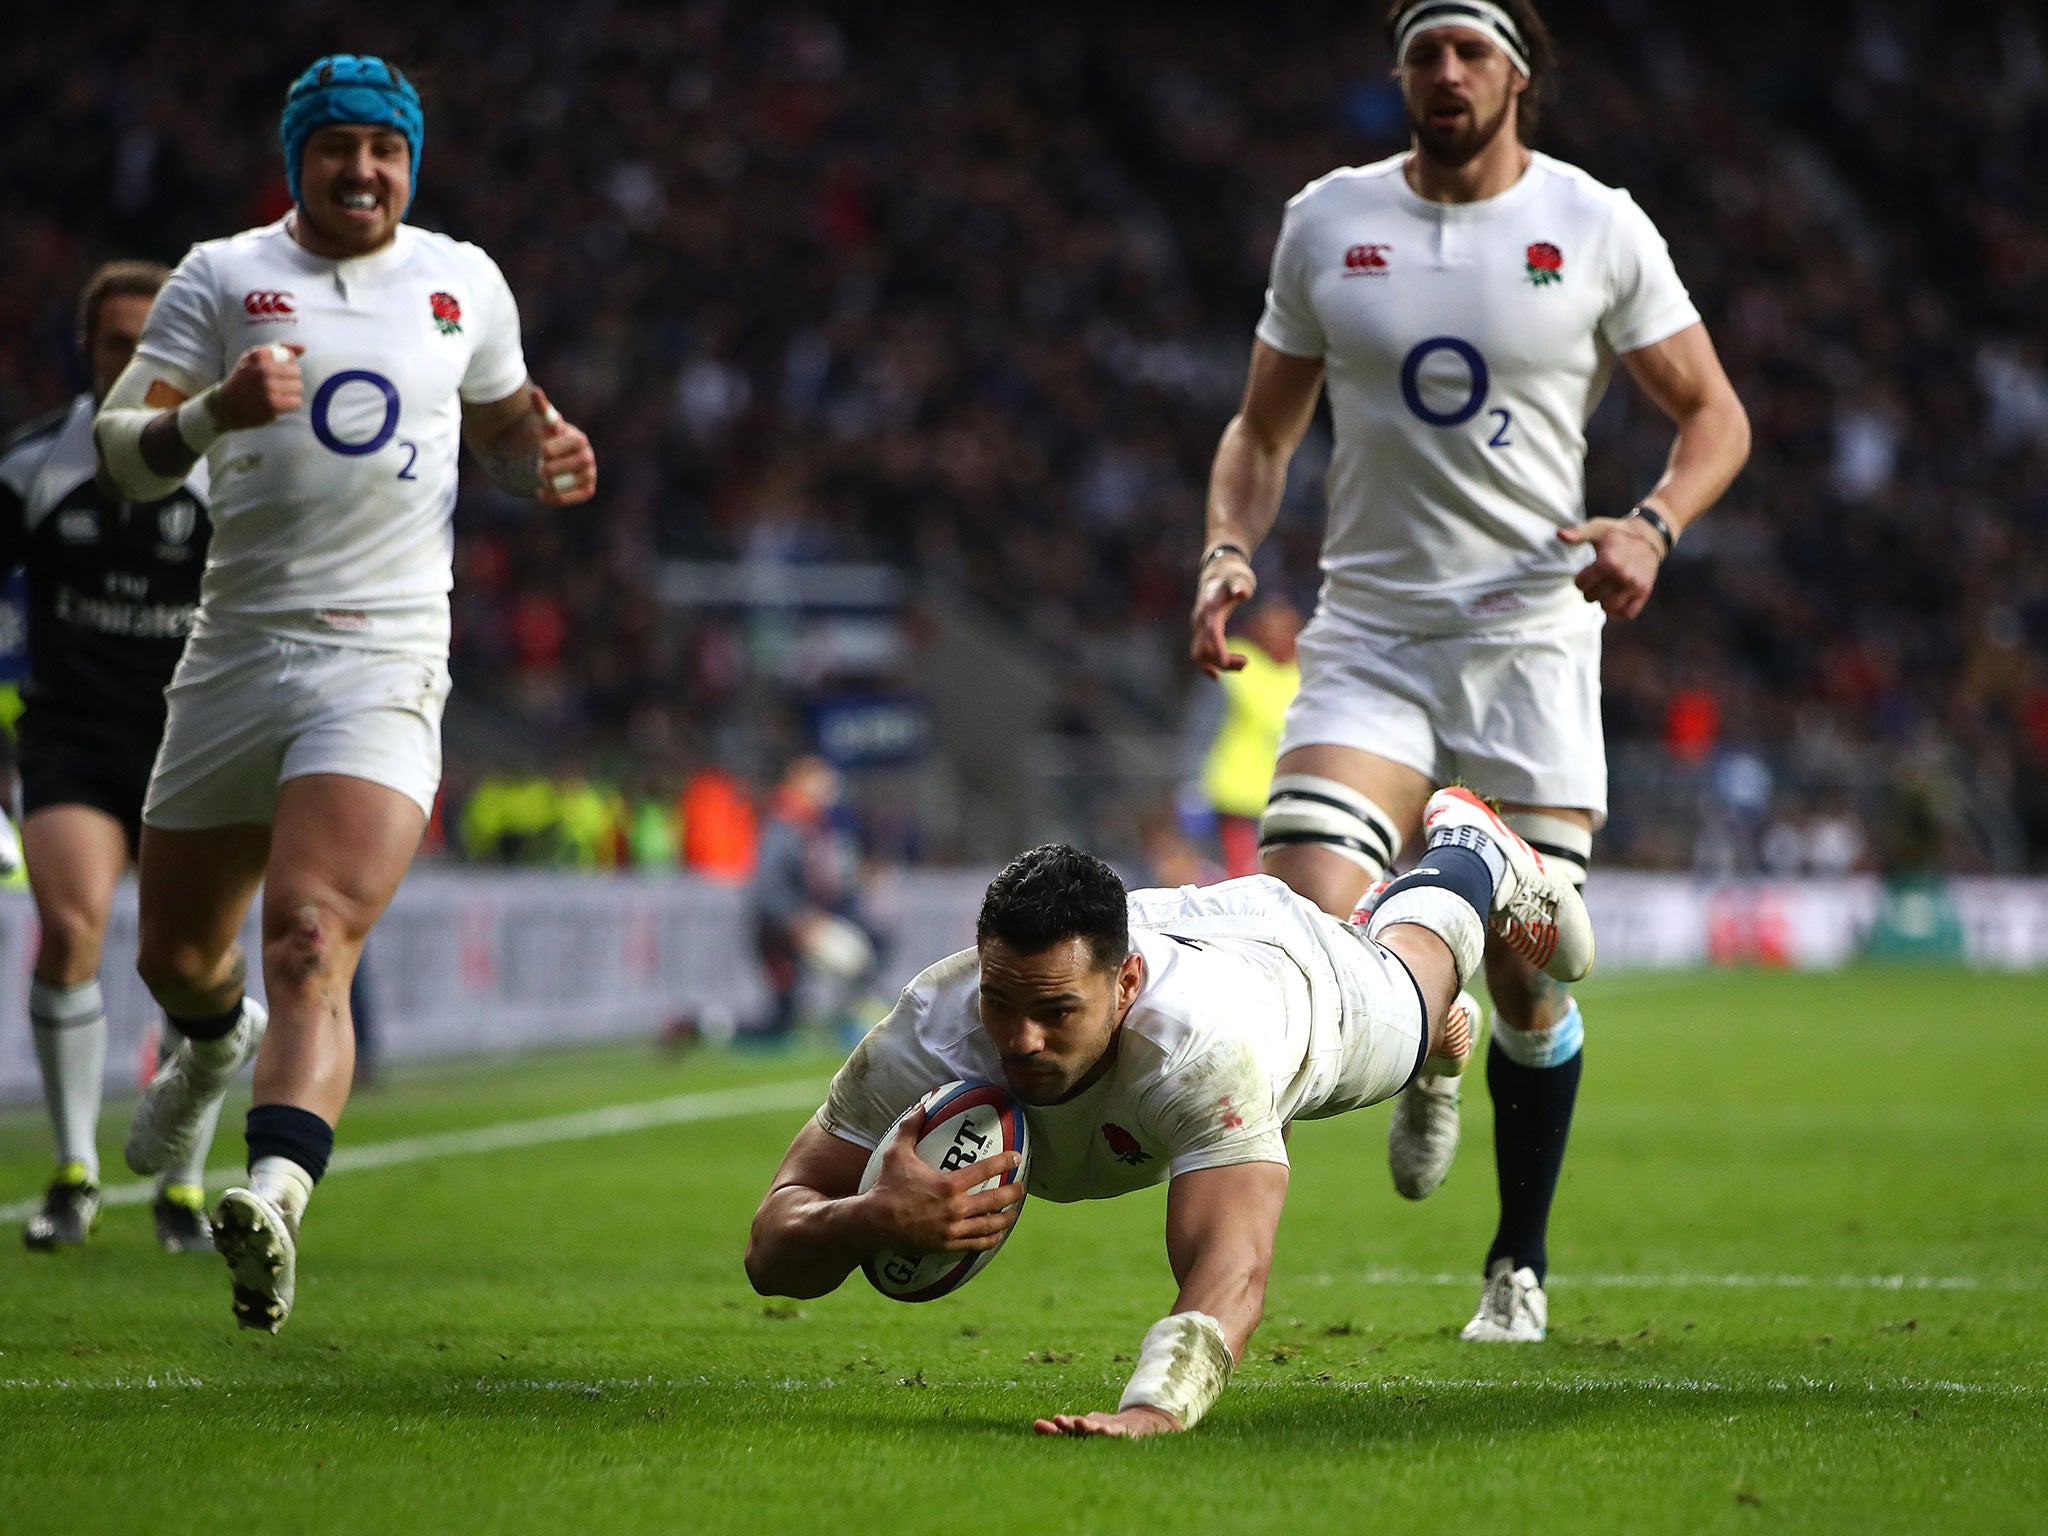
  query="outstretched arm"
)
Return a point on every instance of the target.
[
  {"x": 814, "y": 1226},
  {"x": 1220, "y": 1225},
  {"x": 527, "y": 448},
  {"x": 1682, "y": 375},
  {"x": 1245, "y": 485}
]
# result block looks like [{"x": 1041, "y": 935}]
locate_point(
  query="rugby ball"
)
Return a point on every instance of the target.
[{"x": 956, "y": 1126}]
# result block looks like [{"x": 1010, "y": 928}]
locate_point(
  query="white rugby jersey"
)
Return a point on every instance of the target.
[
  {"x": 1464, "y": 347},
  {"x": 334, "y": 523},
  {"x": 1240, "y": 1026}
]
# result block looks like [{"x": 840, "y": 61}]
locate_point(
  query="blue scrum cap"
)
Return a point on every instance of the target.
[{"x": 349, "y": 88}]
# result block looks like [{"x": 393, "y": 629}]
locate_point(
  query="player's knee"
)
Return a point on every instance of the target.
[
  {"x": 299, "y": 943},
  {"x": 1306, "y": 811},
  {"x": 309, "y": 937},
  {"x": 68, "y": 950},
  {"x": 175, "y": 970}
]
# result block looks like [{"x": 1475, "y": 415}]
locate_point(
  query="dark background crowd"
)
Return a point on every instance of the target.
[{"x": 970, "y": 290}]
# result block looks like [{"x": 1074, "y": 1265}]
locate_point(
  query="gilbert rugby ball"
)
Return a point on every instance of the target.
[{"x": 956, "y": 1126}]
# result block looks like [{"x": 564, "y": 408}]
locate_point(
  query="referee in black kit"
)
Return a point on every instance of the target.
[{"x": 111, "y": 589}]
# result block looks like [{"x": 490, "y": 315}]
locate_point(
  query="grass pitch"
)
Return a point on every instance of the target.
[{"x": 1799, "y": 1285}]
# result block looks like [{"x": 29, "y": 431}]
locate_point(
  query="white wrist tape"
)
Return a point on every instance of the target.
[
  {"x": 196, "y": 424},
  {"x": 118, "y": 432},
  {"x": 1181, "y": 1368}
]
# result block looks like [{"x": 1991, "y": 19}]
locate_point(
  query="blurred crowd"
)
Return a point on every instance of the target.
[{"x": 972, "y": 291}]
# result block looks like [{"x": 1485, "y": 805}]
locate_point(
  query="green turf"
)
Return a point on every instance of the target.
[{"x": 560, "y": 1338}]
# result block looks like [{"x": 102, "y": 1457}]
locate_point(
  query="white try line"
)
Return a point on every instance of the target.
[
  {"x": 733, "y": 1103},
  {"x": 1391, "y": 1386},
  {"x": 1685, "y": 1282},
  {"x": 583, "y": 1125}
]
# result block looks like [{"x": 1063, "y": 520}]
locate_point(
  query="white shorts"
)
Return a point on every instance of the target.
[
  {"x": 1511, "y": 713},
  {"x": 1384, "y": 1026},
  {"x": 250, "y": 710}
]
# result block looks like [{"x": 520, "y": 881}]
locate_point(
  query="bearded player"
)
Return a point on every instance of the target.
[
  {"x": 111, "y": 589},
  {"x": 1464, "y": 304},
  {"x": 1170, "y": 1035},
  {"x": 327, "y": 367}
]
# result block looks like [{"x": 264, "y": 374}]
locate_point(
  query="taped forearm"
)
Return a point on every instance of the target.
[
  {"x": 1182, "y": 1368},
  {"x": 148, "y": 450}
]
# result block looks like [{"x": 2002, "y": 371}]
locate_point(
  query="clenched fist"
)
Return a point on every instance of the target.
[
  {"x": 568, "y": 466},
  {"x": 264, "y": 384}
]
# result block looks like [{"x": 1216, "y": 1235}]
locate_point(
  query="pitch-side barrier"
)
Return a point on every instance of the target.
[{"x": 471, "y": 961}]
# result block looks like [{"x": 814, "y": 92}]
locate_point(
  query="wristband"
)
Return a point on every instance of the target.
[
  {"x": 1223, "y": 549},
  {"x": 1658, "y": 524},
  {"x": 196, "y": 424},
  {"x": 1181, "y": 1367}
]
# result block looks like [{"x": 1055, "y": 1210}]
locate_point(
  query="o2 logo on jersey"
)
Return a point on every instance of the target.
[
  {"x": 323, "y": 424},
  {"x": 1477, "y": 381}
]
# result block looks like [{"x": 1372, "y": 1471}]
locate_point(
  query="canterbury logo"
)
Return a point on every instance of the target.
[{"x": 268, "y": 304}]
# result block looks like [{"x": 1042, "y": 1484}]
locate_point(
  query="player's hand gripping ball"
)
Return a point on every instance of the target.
[{"x": 956, "y": 1126}]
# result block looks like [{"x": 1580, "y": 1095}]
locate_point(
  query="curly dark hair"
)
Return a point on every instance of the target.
[
  {"x": 1537, "y": 43},
  {"x": 1054, "y": 893}
]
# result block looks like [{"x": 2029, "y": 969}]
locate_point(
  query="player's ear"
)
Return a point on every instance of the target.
[{"x": 1129, "y": 977}]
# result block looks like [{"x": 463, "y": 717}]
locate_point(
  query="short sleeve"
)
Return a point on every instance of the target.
[
  {"x": 1218, "y": 1110},
  {"x": 1289, "y": 323},
  {"x": 184, "y": 330},
  {"x": 498, "y": 365},
  {"x": 1646, "y": 301},
  {"x": 887, "y": 1073}
]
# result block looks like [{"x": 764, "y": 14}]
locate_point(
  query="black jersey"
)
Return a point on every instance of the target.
[{"x": 112, "y": 584}]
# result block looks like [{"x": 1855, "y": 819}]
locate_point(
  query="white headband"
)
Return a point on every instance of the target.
[{"x": 1480, "y": 15}]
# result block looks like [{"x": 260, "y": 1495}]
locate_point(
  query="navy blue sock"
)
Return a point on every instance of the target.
[
  {"x": 285, "y": 1130},
  {"x": 207, "y": 1027},
  {"x": 1448, "y": 867},
  {"x": 1532, "y": 1117}
]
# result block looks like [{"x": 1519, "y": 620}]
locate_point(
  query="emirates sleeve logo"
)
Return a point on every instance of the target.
[
  {"x": 1546, "y": 264},
  {"x": 447, "y": 313}
]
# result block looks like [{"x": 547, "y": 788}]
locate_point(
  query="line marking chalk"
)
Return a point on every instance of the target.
[{"x": 582, "y": 1125}]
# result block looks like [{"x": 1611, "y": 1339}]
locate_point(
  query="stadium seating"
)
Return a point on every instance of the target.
[{"x": 981, "y": 309}]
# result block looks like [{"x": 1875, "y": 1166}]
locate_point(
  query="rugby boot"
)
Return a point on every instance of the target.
[
  {"x": 71, "y": 1209},
  {"x": 1422, "y": 1136},
  {"x": 179, "y": 1107},
  {"x": 1537, "y": 912},
  {"x": 1512, "y": 1307},
  {"x": 181, "y": 1224},
  {"x": 262, "y": 1253}
]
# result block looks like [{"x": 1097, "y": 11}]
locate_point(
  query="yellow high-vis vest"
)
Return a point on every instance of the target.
[{"x": 1239, "y": 768}]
